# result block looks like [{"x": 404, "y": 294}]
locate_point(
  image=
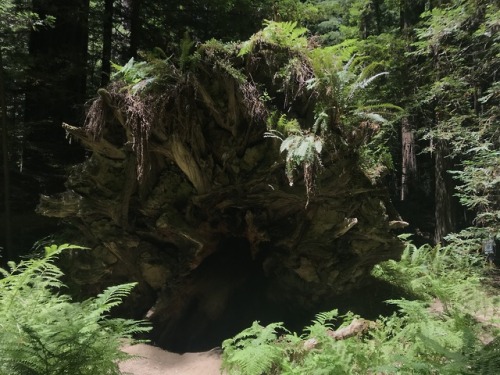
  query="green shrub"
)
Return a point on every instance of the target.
[{"x": 42, "y": 331}]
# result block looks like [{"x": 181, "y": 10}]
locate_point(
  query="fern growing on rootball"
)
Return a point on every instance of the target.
[{"x": 42, "y": 331}]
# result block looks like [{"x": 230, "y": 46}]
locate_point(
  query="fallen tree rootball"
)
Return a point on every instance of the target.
[{"x": 183, "y": 171}]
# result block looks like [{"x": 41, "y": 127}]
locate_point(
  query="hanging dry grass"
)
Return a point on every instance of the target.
[{"x": 139, "y": 121}]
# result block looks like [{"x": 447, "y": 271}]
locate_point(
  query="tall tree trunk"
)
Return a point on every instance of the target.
[
  {"x": 409, "y": 158},
  {"x": 135, "y": 12},
  {"x": 8, "y": 255},
  {"x": 409, "y": 12},
  {"x": 443, "y": 194},
  {"x": 402, "y": 19},
  {"x": 106, "y": 42},
  {"x": 62, "y": 49},
  {"x": 56, "y": 89},
  {"x": 378, "y": 15}
]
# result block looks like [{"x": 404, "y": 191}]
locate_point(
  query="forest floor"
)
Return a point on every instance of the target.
[{"x": 155, "y": 361}]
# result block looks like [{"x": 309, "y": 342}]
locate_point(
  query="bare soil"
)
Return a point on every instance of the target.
[{"x": 155, "y": 361}]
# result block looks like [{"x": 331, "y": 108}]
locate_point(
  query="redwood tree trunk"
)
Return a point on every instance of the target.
[
  {"x": 7, "y": 253},
  {"x": 409, "y": 12},
  {"x": 444, "y": 190},
  {"x": 135, "y": 24},
  {"x": 107, "y": 41},
  {"x": 62, "y": 49},
  {"x": 56, "y": 89},
  {"x": 409, "y": 158}
]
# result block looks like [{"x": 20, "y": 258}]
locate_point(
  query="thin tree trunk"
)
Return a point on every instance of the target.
[
  {"x": 135, "y": 11},
  {"x": 409, "y": 12},
  {"x": 443, "y": 194},
  {"x": 6, "y": 175},
  {"x": 59, "y": 97},
  {"x": 378, "y": 15},
  {"x": 106, "y": 42},
  {"x": 83, "y": 41},
  {"x": 409, "y": 158}
]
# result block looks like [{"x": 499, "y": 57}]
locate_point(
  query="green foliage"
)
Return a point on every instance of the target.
[
  {"x": 137, "y": 75},
  {"x": 346, "y": 113},
  {"x": 457, "y": 49},
  {"x": 376, "y": 160},
  {"x": 187, "y": 57},
  {"x": 282, "y": 125},
  {"x": 219, "y": 54},
  {"x": 434, "y": 272},
  {"x": 294, "y": 10},
  {"x": 42, "y": 331},
  {"x": 153, "y": 70},
  {"x": 253, "y": 351},
  {"x": 340, "y": 85},
  {"x": 338, "y": 20},
  {"x": 440, "y": 332},
  {"x": 480, "y": 183},
  {"x": 301, "y": 150},
  {"x": 15, "y": 18},
  {"x": 282, "y": 34},
  {"x": 347, "y": 108}
]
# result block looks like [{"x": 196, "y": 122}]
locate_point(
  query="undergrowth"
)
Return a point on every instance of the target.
[
  {"x": 450, "y": 326},
  {"x": 44, "y": 332}
]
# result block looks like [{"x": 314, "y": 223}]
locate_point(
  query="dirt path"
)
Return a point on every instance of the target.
[{"x": 155, "y": 361}]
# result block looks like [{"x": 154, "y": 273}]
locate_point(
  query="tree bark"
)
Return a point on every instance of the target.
[
  {"x": 409, "y": 12},
  {"x": 106, "y": 42},
  {"x": 409, "y": 159},
  {"x": 56, "y": 89},
  {"x": 135, "y": 26},
  {"x": 62, "y": 49},
  {"x": 378, "y": 15},
  {"x": 443, "y": 194},
  {"x": 8, "y": 250}
]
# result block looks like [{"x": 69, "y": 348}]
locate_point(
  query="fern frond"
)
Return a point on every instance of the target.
[
  {"x": 253, "y": 351},
  {"x": 113, "y": 295},
  {"x": 382, "y": 107},
  {"x": 325, "y": 318},
  {"x": 43, "y": 332},
  {"x": 364, "y": 83},
  {"x": 282, "y": 34},
  {"x": 371, "y": 116}
]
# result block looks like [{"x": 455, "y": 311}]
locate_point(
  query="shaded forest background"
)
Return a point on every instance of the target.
[{"x": 442, "y": 59}]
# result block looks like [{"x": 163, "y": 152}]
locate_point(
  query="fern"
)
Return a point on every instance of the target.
[
  {"x": 322, "y": 320},
  {"x": 419, "y": 339},
  {"x": 42, "y": 331},
  {"x": 303, "y": 150},
  {"x": 283, "y": 34},
  {"x": 487, "y": 361},
  {"x": 433, "y": 272},
  {"x": 253, "y": 351},
  {"x": 140, "y": 76},
  {"x": 187, "y": 58}
]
